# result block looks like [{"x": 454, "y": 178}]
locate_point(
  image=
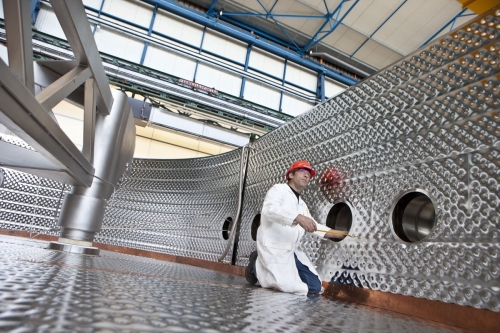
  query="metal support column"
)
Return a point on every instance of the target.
[
  {"x": 18, "y": 31},
  {"x": 244, "y": 79},
  {"x": 83, "y": 209},
  {"x": 150, "y": 30}
]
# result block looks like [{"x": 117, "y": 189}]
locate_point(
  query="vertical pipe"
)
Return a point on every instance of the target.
[
  {"x": 98, "y": 15},
  {"x": 283, "y": 84},
  {"x": 244, "y": 79},
  {"x": 243, "y": 167},
  {"x": 150, "y": 30}
]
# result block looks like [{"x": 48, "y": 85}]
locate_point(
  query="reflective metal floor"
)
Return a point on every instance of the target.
[{"x": 47, "y": 291}]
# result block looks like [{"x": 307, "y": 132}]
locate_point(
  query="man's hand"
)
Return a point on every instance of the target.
[{"x": 305, "y": 222}]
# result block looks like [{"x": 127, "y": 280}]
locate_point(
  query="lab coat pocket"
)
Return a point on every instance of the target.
[{"x": 279, "y": 251}]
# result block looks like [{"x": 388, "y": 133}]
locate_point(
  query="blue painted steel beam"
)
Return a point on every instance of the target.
[
  {"x": 244, "y": 79},
  {"x": 272, "y": 7},
  {"x": 98, "y": 14},
  {"x": 328, "y": 16},
  {"x": 249, "y": 38},
  {"x": 380, "y": 26},
  {"x": 150, "y": 30},
  {"x": 280, "y": 107},
  {"x": 337, "y": 23},
  {"x": 326, "y": 6},
  {"x": 211, "y": 7},
  {"x": 268, "y": 14},
  {"x": 273, "y": 15},
  {"x": 444, "y": 26},
  {"x": 260, "y": 33},
  {"x": 320, "y": 90},
  {"x": 34, "y": 10}
]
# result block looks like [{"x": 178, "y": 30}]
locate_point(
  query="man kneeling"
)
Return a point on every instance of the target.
[{"x": 278, "y": 262}]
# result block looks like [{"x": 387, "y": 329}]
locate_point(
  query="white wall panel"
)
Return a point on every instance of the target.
[
  {"x": 170, "y": 63},
  {"x": 1, "y": 9},
  {"x": 118, "y": 45},
  {"x": 131, "y": 10},
  {"x": 266, "y": 62},
  {"x": 178, "y": 28},
  {"x": 47, "y": 22},
  {"x": 294, "y": 106},
  {"x": 96, "y": 4},
  {"x": 301, "y": 76},
  {"x": 220, "y": 80},
  {"x": 332, "y": 88},
  {"x": 225, "y": 46},
  {"x": 262, "y": 95},
  {"x": 4, "y": 55}
]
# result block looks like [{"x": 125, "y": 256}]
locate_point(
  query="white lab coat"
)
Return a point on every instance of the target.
[{"x": 278, "y": 239}]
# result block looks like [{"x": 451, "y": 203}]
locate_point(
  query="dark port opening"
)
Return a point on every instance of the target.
[
  {"x": 339, "y": 218},
  {"x": 226, "y": 228},
  {"x": 413, "y": 217}
]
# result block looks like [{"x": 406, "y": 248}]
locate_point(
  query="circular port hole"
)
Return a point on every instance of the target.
[
  {"x": 413, "y": 217},
  {"x": 226, "y": 228},
  {"x": 339, "y": 218},
  {"x": 255, "y": 226}
]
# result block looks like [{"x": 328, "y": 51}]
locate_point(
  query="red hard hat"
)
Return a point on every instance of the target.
[{"x": 300, "y": 165}]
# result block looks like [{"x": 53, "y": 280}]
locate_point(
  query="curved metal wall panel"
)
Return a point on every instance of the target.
[
  {"x": 30, "y": 203},
  {"x": 176, "y": 207},
  {"x": 429, "y": 123}
]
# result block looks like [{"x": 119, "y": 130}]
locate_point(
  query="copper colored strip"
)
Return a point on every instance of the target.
[
  {"x": 215, "y": 266},
  {"x": 477, "y": 320}
]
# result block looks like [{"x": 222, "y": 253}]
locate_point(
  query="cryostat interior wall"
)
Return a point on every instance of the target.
[
  {"x": 428, "y": 123},
  {"x": 176, "y": 207}
]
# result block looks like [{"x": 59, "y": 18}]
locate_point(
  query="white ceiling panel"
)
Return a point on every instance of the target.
[
  {"x": 368, "y": 15},
  {"x": 252, "y": 5},
  {"x": 415, "y": 22},
  {"x": 298, "y": 8},
  {"x": 305, "y": 26},
  {"x": 376, "y": 55},
  {"x": 282, "y": 7},
  {"x": 332, "y": 38},
  {"x": 319, "y": 4},
  {"x": 295, "y": 23},
  {"x": 349, "y": 41}
]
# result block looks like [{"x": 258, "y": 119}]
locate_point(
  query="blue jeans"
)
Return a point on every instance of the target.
[{"x": 312, "y": 280}]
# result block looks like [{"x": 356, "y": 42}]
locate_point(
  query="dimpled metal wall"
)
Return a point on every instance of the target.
[
  {"x": 176, "y": 207},
  {"x": 428, "y": 122},
  {"x": 29, "y": 203}
]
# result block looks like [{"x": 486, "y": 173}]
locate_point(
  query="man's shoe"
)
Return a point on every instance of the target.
[{"x": 250, "y": 268}]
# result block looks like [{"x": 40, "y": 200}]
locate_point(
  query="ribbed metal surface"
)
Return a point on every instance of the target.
[
  {"x": 30, "y": 203},
  {"x": 430, "y": 123},
  {"x": 175, "y": 206},
  {"x": 48, "y": 291}
]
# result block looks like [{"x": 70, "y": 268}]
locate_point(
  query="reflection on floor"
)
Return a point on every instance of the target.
[{"x": 48, "y": 291}]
